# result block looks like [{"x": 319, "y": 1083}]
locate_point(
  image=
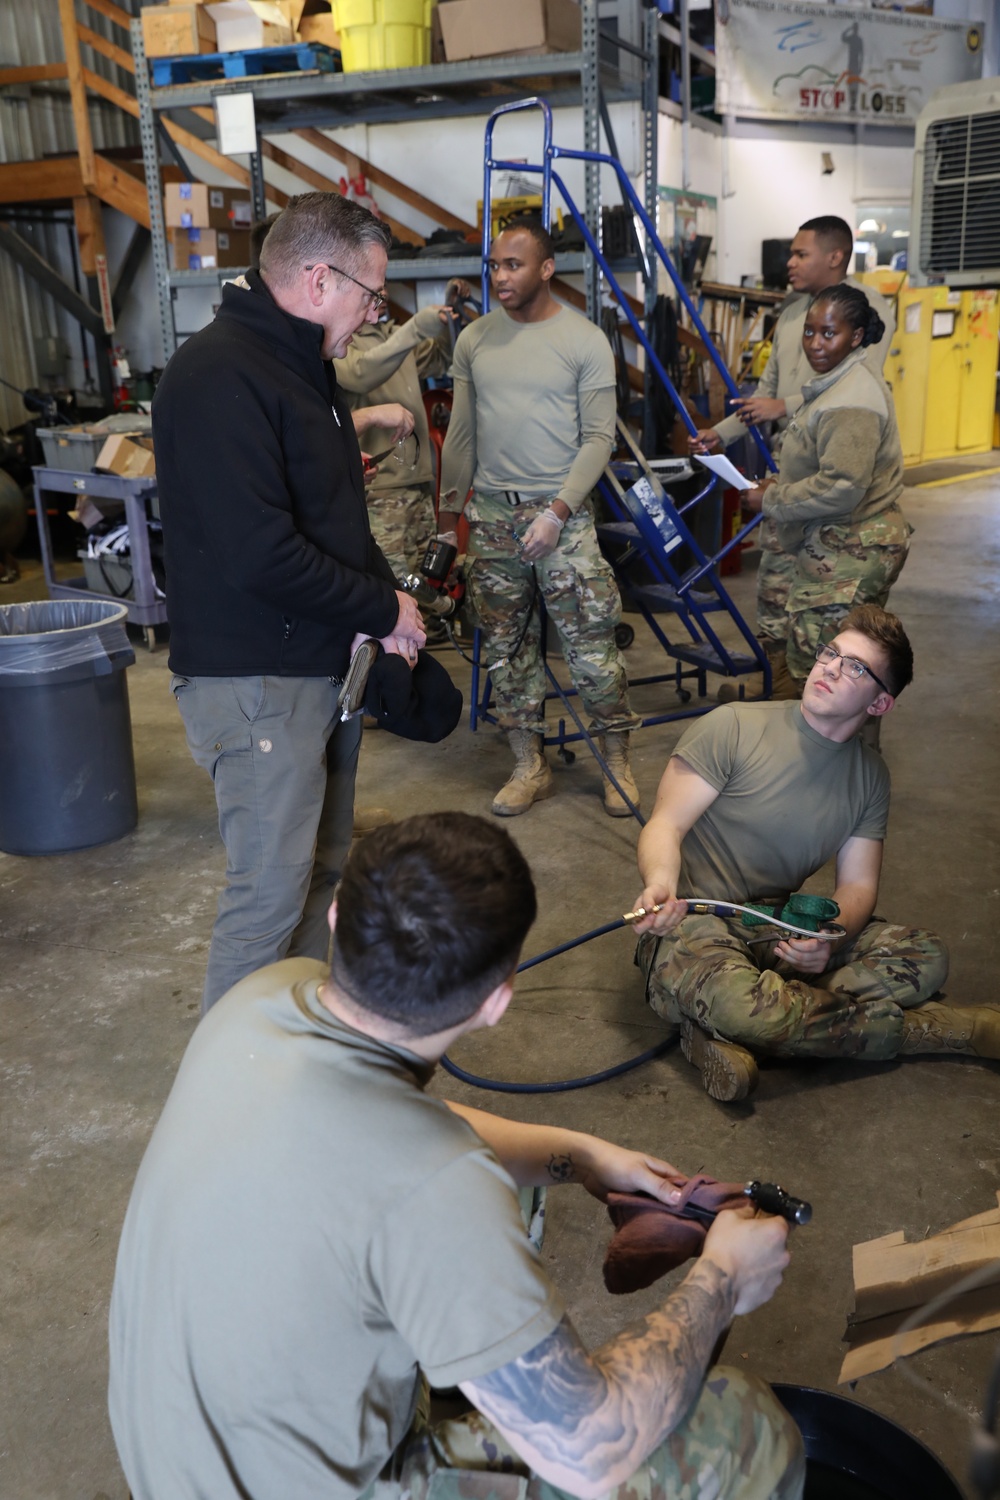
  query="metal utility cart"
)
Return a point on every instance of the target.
[{"x": 146, "y": 607}]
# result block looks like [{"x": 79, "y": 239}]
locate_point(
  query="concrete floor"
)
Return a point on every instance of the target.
[{"x": 102, "y": 954}]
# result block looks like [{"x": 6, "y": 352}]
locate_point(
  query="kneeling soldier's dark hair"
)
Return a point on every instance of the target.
[{"x": 432, "y": 913}]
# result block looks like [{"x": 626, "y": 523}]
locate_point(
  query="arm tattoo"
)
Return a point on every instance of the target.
[
  {"x": 562, "y": 1168},
  {"x": 600, "y": 1415}
]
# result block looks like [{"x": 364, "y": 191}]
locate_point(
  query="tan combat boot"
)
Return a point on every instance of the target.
[
  {"x": 783, "y": 684},
  {"x": 614, "y": 748},
  {"x": 938, "y": 1027},
  {"x": 532, "y": 778},
  {"x": 727, "y": 1070}
]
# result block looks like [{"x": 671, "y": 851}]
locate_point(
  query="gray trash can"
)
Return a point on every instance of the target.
[{"x": 67, "y": 776}]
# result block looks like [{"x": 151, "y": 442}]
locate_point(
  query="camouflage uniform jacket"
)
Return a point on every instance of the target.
[
  {"x": 788, "y": 370},
  {"x": 385, "y": 363},
  {"x": 841, "y": 461}
]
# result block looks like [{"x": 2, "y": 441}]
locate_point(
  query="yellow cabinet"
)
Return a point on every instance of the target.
[
  {"x": 981, "y": 314},
  {"x": 906, "y": 367},
  {"x": 942, "y": 367}
]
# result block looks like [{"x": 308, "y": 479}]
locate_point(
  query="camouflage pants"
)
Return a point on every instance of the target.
[
  {"x": 735, "y": 1441},
  {"x": 582, "y": 601},
  {"x": 706, "y": 971},
  {"x": 835, "y": 568},
  {"x": 775, "y": 576},
  {"x": 402, "y": 523}
]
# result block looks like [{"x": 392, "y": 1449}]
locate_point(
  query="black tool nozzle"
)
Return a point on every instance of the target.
[{"x": 772, "y": 1199}]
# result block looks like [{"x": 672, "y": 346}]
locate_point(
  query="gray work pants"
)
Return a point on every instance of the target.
[{"x": 283, "y": 766}]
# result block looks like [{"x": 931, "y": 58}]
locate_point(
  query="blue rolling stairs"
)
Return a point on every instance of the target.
[
  {"x": 647, "y": 537},
  {"x": 647, "y": 529}
]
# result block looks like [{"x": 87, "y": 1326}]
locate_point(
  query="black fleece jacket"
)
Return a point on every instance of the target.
[{"x": 270, "y": 563}]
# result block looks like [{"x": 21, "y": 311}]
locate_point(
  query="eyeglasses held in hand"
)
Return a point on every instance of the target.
[{"x": 400, "y": 452}]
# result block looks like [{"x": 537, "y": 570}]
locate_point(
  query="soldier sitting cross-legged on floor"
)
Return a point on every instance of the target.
[{"x": 756, "y": 798}]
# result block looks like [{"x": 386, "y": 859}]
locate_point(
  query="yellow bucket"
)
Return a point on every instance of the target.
[{"x": 383, "y": 33}]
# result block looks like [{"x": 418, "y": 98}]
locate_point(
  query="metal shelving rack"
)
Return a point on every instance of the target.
[{"x": 441, "y": 91}]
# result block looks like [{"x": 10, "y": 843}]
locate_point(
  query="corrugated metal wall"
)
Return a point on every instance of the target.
[{"x": 36, "y": 121}]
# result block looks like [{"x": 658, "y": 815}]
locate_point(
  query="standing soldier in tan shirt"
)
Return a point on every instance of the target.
[
  {"x": 531, "y": 429},
  {"x": 820, "y": 257}
]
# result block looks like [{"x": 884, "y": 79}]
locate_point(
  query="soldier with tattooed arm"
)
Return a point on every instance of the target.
[{"x": 315, "y": 1239}]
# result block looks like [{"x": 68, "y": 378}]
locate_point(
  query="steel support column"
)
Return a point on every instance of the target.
[
  {"x": 590, "y": 88},
  {"x": 154, "y": 187},
  {"x": 651, "y": 172}
]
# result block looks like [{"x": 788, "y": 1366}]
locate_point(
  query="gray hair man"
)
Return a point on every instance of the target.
[{"x": 273, "y": 573}]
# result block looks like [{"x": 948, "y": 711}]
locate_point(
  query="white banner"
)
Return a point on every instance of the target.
[{"x": 794, "y": 60}]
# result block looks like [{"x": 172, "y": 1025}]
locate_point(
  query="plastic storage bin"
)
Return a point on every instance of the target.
[
  {"x": 67, "y": 776},
  {"x": 377, "y": 34},
  {"x": 78, "y": 447}
]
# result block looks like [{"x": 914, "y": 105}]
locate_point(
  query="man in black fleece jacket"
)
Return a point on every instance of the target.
[{"x": 273, "y": 573}]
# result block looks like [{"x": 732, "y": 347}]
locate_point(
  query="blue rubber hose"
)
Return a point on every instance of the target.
[
  {"x": 811, "y": 908},
  {"x": 564, "y": 1085}
]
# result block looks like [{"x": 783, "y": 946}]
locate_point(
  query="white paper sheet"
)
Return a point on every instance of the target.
[{"x": 727, "y": 472}]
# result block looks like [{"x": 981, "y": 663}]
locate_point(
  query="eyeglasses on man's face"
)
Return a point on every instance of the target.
[
  {"x": 373, "y": 299},
  {"x": 850, "y": 665}
]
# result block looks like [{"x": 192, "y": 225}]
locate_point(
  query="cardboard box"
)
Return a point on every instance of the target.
[
  {"x": 195, "y": 205},
  {"x": 128, "y": 459},
  {"x": 437, "y": 40},
  {"x": 243, "y": 25},
  {"x": 481, "y": 28},
  {"x": 177, "y": 30},
  {"x": 320, "y": 28},
  {"x": 204, "y": 249}
]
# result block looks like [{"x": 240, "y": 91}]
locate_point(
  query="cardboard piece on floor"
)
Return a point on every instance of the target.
[{"x": 892, "y": 1278}]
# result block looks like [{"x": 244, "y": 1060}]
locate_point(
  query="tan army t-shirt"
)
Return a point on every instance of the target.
[
  {"x": 527, "y": 380},
  {"x": 308, "y": 1229},
  {"x": 788, "y": 800}
]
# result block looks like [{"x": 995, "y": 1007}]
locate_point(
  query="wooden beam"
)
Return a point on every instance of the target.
[
  {"x": 119, "y": 189},
  {"x": 111, "y": 92},
  {"x": 50, "y": 280},
  {"x": 89, "y": 232},
  {"x": 77, "y": 91},
  {"x": 400, "y": 190},
  {"x": 192, "y": 143},
  {"x": 327, "y": 185},
  {"x": 106, "y": 49},
  {"x": 58, "y": 177},
  {"x": 112, "y": 12},
  {"x": 40, "y": 74}
]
